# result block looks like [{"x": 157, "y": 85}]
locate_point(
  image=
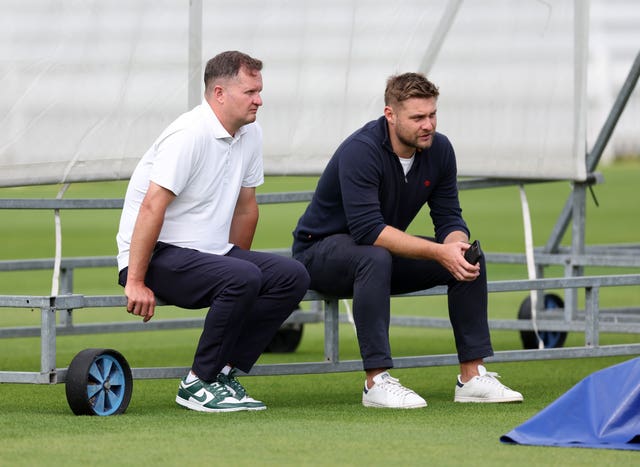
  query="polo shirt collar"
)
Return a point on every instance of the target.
[{"x": 219, "y": 131}]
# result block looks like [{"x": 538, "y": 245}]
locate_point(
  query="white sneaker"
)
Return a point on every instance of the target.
[
  {"x": 485, "y": 388},
  {"x": 387, "y": 392}
]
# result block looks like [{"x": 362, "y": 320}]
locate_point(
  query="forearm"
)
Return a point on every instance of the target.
[
  {"x": 449, "y": 254},
  {"x": 243, "y": 228},
  {"x": 456, "y": 236},
  {"x": 403, "y": 244},
  {"x": 245, "y": 219}
]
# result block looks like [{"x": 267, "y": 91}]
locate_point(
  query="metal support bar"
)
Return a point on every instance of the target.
[
  {"x": 439, "y": 35},
  {"x": 331, "y": 338},
  {"x": 48, "y": 341},
  {"x": 356, "y": 365},
  {"x": 195, "y": 54},
  {"x": 614, "y": 115},
  {"x": 591, "y": 332},
  {"x": 617, "y": 320},
  {"x": 65, "y": 316},
  {"x": 578, "y": 196},
  {"x": 580, "y": 67}
]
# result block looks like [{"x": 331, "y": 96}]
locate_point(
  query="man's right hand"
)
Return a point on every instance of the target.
[
  {"x": 452, "y": 258},
  {"x": 141, "y": 300}
]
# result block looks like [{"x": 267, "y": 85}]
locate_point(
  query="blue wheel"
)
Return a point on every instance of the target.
[
  {"x": 99, "y": 382},
  {"x": 551, "y": 339}
]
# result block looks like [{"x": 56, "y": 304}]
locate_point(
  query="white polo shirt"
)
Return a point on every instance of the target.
[{"x": 205, "y": 167}]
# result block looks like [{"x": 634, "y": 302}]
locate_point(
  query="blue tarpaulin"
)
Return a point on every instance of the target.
[{"x": 601, "y": 411}]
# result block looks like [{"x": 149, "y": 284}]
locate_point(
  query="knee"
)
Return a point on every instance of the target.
[
  {"x": 246, "y": 279},
  {"x": 304, "y": 279},
  {"x": 374, "y": 267},
  {"x": 376, "y": 258},
  {"x": 298, "y": 276}
]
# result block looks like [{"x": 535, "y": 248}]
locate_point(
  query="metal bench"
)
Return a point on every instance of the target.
[{"x": 591, "y": 324}]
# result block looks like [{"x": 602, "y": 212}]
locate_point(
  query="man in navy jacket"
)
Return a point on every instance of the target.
[{"x": 352, "y": 241}]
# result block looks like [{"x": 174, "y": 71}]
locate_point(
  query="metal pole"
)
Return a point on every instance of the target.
[
  {"x": 331, "y": 322},
  {"x": 439, "y": 35},
  {"x": 592, "y": 317},
  {"x": 612, "y": 120},
  {"x": 66, "y": 288},
  {"x": 195, "y": 53},
  {"x": 48, "y": 342},
  {"x": 579, "y": 197}
]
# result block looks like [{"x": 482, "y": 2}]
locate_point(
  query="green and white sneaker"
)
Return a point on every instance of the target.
[
  {"x": 205, "y": 397},
  {"x": 231, "y": 383}
]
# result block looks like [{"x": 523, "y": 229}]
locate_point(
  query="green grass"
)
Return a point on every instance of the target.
[{"x": 312, "y": 419}]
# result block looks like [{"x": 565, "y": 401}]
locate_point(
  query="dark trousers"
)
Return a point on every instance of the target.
[
  {"x": 338, "y": 266},
  {"x": 249, "y": 295}
]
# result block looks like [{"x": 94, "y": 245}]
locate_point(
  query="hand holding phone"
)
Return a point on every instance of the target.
[{"x": 473, "y": 254}]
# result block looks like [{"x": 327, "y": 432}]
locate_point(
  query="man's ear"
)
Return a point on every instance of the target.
[
  {"x": 218, "y": 93},
  {"x": 389, "y": 115}
]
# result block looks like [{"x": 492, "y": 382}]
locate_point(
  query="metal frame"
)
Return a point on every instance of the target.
[
  {"x": 591, "y": 326},
  {"x": 574, "y": 259}
]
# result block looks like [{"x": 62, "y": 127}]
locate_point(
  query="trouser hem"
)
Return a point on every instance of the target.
[
  {"x": 375, "y": 364},
  {"x": 475, "y": 354}
]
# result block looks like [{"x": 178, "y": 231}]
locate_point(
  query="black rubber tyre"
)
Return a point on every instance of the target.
[
  {"x": 99, "y": 382},
  {"x": 287, "y": 339},
  {"x": 551, "y": 339}
]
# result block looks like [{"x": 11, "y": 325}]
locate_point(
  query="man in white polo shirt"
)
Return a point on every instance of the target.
[{"x": 187, "y": 225}]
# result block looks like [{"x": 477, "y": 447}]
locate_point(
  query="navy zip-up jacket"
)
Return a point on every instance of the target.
[{"x": 363, "y": 189}]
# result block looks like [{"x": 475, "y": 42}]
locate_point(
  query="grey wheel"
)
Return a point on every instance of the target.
[
  {"x": 551, "y": 339},
  {"x": 286, "y": 339}
]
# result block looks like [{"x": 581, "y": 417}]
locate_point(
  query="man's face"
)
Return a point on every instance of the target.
[
  {"x": 242, "y": 98},
  {"x": 412, "y": 124}
]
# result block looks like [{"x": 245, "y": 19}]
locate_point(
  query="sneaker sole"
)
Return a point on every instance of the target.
[
  {"x": 480, "y": 400},
  {"x": 382, "y": 406},
  {"x": 200, "y": 408},
  {"x": 254, "y": 405},
  {"x": 253, "y": 409}
]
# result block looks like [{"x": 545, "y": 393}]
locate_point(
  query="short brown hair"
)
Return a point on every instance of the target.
[
  {"x": 228, "y": 65},
  {"x": 407, "y": 86}
]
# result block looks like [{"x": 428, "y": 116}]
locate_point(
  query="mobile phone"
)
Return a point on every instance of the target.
[{"x": 473, "y": 254}]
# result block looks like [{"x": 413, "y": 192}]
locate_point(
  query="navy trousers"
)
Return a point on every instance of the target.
[
  {"x": 249, "y": 295},
  {"x": 338, "y": 266}
]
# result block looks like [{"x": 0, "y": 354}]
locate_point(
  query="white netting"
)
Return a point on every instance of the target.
[{"x": 88, "y": 85}]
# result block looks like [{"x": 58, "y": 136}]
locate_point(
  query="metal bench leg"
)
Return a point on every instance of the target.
[
  {"x": 592, "y": 317},
  {"x": 331, "y": 321},
  {"x": 66, "y": 287},
  {"x": 48, "y": 342}
]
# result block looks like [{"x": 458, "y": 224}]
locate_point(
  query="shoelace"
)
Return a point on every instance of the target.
[
  {"x": 492, "y": 377},
  {"x": 492, "y": 374},
  {"x": 392, "y": 385},
  {"x": 234, "y": 384},
  {"x": 218, "y": 389}
]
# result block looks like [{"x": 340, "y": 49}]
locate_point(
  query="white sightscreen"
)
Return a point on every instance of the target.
[{"x": 85, "y": 87}]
